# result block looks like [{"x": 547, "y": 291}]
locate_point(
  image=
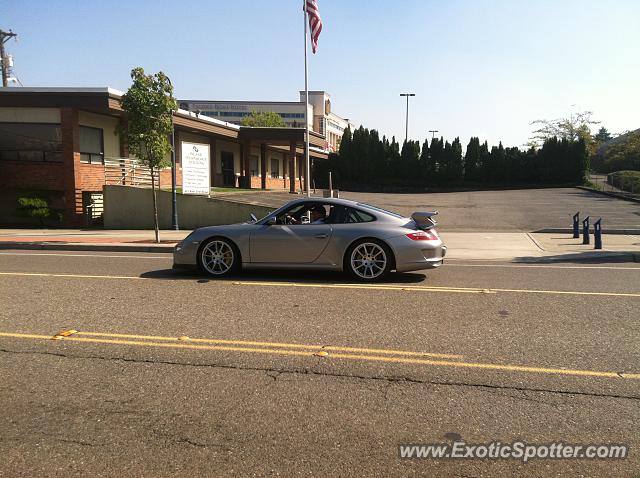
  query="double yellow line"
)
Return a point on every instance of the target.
[{"x": 305, "y": 350}]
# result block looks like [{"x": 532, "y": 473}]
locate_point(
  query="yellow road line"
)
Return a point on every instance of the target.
[
  {"x": 462, "y": 290},
  {"x": 315, "y": 348},
  {"x": 366, "y": 358}
]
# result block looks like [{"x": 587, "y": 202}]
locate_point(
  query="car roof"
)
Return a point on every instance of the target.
[{"x": 344, "y": 202}]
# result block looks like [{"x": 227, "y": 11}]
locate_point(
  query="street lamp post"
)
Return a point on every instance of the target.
[
  {"x": 174, "y": 195},
  {"x": 433, "y": 133},
  {"x": 406, "y": 131}
]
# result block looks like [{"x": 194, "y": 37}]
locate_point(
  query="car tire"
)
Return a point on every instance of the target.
[
  {"x": 219, "y": 257},
  {"x": 368, "y": 260}
]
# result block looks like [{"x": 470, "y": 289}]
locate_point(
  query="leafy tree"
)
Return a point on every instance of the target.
[
  {"x": 623, "y": 153},
  {"x": 573, "y": 128},
  {"x": 268, "y": 119},
  {"x": 149, "y": 106}
]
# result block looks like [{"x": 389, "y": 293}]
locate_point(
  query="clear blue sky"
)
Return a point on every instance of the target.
[{"x": 478, "y": 67}]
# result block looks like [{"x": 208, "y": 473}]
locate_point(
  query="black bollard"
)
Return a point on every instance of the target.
[
  {"x": 585, "y": 230},
  {"x": 576, "y": 225},
  {"x": 597, "y": 234}
]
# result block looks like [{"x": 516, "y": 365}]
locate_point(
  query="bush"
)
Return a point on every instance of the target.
[{"x": 38, "y": 208}]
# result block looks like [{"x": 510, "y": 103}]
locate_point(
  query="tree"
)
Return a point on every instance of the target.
[
  {"x": 472, "y": 159},
  {"x": 602, "y": 136},
  {"x": 149, "y": 106},
  {"x": 409, "y": 161},
  {"x": 573, "y": 128},
  {"x": 623, "y": 153},
  {"x": 268, "y": 119}
]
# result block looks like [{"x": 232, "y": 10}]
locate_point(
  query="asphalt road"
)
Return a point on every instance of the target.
[
  {"x": 291, "y": 374},
  {"x": 523, "y": 210}
]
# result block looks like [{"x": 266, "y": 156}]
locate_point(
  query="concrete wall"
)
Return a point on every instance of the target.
[
  {"x": 127, "y": 207},
  {"x": 30, "y": 115}
]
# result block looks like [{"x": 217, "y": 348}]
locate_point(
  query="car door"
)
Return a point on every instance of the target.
[{"x": 289, "y": 244}]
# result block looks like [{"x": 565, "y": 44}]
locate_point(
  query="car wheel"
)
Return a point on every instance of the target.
[
  {"x": 369, "y": 260},
  {"x": 218, "y": 257}
]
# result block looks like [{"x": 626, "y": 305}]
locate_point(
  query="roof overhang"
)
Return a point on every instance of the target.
[{"x": 107, "y": 101}]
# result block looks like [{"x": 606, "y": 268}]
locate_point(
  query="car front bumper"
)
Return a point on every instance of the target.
[{"x": 184, "y": 254}]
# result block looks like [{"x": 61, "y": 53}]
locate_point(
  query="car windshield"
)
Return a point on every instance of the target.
[{"x": 379, "y": 209}]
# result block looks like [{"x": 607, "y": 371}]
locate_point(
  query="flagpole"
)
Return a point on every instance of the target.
[{"x": 307, "y": 178}]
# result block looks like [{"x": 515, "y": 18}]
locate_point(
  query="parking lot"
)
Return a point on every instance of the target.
[
  {"x": 525, "y": 210},
  {"x": 271, "y": 373}
]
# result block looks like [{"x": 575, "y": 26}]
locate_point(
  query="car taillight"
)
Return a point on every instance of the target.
[{"x": 423, "y": 236}]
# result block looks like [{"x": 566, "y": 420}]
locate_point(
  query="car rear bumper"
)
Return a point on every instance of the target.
[{"x": 417, "y": 255}]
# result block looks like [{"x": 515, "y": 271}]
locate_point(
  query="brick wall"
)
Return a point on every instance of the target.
[
  {"x": 32, "y": 175},
  {"x": 91, "y": 177},
  {"x": 165, "y": 177},
  {"x": 71, "y": 163}
]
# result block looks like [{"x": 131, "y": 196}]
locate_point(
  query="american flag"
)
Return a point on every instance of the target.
[{"x": 315, "y": 22}]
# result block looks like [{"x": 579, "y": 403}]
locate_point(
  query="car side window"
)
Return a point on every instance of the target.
[
  {"x": 292, "y": 215},
  {"x": 356, "y": 216}
]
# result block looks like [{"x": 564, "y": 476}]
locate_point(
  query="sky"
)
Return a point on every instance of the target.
[{"x": 484, "y": 68}]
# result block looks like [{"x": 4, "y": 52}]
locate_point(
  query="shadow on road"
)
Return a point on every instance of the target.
[
  {"x": 313, "y": 277},
  {"x": 584, "y": 257}
]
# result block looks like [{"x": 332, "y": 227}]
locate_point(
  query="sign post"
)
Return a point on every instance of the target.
[{"x": 196, "y": 168}]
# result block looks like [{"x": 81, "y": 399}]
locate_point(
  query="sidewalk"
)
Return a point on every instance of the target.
[
  {"x": 504, "y": 246},
  {"x": 538, "y": 247},
  {"x": 90, "y": 239}
]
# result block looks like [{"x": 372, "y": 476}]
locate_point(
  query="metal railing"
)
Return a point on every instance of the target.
[{"x": 128, "y": 172}]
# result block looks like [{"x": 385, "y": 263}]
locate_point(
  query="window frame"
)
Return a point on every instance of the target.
[
  {"x": 43, "y": 153},
  {"x": 91, "y": 154},
  {"x": 274, "y": 174}
]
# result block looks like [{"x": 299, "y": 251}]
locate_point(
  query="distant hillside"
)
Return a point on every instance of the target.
[{"x": 619, "y": 153}]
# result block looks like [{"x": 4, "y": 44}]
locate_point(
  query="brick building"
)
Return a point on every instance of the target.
[{"x": 60, "y": 143}]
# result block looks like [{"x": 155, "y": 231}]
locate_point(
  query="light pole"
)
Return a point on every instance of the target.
[
  {"x": 174, "y": 195},
  {"x": 433, "y": 133},
  {"x": 406, "y": 131}
]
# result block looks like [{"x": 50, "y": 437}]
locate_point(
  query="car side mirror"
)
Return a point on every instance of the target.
[
  {"x": 271, "y": 221},
  {"x": 253, "y": 217}
]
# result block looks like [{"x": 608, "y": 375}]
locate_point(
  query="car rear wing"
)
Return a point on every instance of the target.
[{"x": 424, "y": 220}]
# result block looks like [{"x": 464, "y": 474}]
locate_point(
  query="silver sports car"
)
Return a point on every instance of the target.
[{"x": 313, "y": 233}]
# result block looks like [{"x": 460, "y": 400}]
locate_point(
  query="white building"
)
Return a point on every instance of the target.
[{"x": 321, "y": 119}]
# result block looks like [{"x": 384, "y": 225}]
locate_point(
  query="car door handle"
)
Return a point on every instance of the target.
[{"x": 321, "y": 236}]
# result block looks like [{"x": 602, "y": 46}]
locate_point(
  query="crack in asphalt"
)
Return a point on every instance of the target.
[{"x": 275, "y": 373}]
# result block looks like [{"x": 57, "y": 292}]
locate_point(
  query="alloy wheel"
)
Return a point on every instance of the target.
[
  {"x": 217, "y": 257},
  {"x": 368, "y": 260}
]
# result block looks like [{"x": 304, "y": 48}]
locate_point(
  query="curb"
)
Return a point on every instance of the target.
[
  {"x": 50, "y": 246},
  {"x": 568, "y": 230},
  {"x": 610, "y": 194}
]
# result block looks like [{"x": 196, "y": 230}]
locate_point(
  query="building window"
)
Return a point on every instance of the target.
[
  {"x": 30, "y": 142},
  {"x": 275, "y": 168},
  {"x": 91, "y": 145},
  {"x": 253, "y": 165}
]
